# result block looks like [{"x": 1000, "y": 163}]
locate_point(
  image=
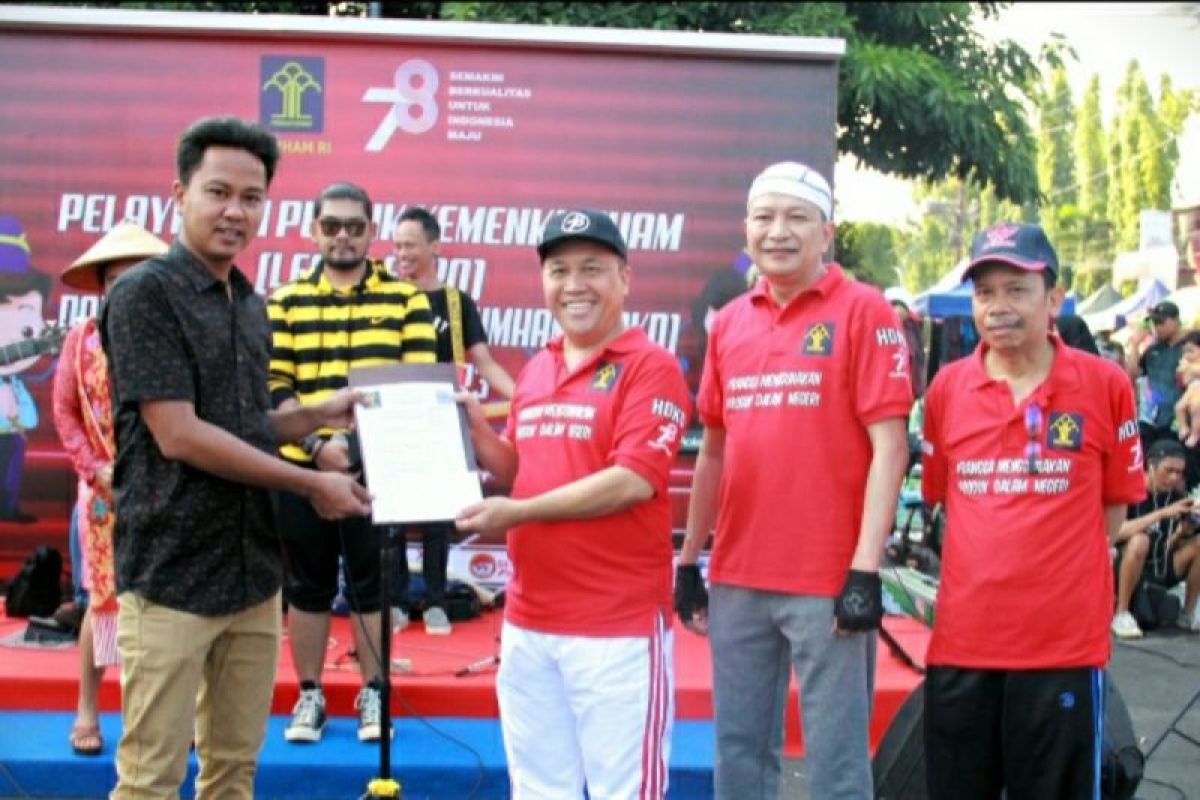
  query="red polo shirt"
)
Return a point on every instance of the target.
[
  {"x": 795, "y": 389},
  {"x": 1026, "y": 580},
  {"x": 626, "y": 406}
]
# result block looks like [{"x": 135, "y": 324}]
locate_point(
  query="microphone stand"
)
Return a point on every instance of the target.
[{"x": 384, "y": 786}]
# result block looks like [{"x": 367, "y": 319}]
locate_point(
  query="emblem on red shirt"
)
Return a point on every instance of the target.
[
  {"x": 605, "y": 376},
  {"x": 667, "y": 434},
  {"x": 818, "y": 339},
  {"x": 1065, "y": 431}
]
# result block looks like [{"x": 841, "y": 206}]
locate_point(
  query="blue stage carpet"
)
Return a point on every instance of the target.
[{"x": 35, "y": 760}]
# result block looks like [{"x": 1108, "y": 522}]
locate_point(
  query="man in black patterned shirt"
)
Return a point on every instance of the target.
[{"x": 198, "y": 564}]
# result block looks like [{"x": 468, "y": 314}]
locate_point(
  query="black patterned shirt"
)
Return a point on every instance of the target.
[{"x": 185, "y": 538}]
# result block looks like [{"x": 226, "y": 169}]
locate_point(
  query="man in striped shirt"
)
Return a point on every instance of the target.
[{"x": 347, "y": 311}]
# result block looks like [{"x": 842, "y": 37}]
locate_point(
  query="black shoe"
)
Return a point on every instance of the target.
[{"x": 69, "y": 616}]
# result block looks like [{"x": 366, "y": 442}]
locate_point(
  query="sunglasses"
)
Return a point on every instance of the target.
[
  {"x": 331, "y": 225},
  {"x": 1033, "y": 428}
]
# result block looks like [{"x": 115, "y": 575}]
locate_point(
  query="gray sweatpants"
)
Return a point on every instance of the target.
[{"x": 756, "y": 637}]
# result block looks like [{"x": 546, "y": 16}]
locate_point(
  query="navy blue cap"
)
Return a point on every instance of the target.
[
  {"x": 591, "y": 226},
  {"x": 1024, "y": 246}
]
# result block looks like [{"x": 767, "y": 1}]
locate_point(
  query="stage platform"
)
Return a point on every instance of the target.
[{"x": 437, "y": 710}]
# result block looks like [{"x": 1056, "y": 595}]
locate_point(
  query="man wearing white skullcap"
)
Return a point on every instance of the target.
[
  {"x": 814, "y": 359},
  {"x": 795, "y": 180}
]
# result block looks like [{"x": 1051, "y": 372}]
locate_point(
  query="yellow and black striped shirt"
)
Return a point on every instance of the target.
[{"x": 318, "y": 333}]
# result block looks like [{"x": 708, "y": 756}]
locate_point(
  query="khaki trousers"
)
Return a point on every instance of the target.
[{"x": 184, "y": 674}]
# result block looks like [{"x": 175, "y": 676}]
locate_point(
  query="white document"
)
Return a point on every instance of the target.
[{"x": 416, "y": 455}]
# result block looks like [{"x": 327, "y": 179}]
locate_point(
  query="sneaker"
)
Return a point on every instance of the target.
[
  {"x": 1124, "y": 626},
  {"x": 436, "y": 622},
  {"x": 1188, "y": 622},
  {"x": 308, "y": 717},
  {"x": 370, "y": 712},
  {"x": 399, "y": 619}
]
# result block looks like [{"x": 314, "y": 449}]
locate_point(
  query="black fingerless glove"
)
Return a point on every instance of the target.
[
  {"x": 690, "y": 594},
  {"x": 860, "y": 605}
]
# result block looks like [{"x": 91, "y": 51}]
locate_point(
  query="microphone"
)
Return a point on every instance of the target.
[{"x": 477, "y": 666}]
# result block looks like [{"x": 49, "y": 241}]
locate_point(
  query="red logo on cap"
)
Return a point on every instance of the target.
[{"x": 1001, "y": 236}]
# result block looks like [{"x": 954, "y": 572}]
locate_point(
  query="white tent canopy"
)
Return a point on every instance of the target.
[
  {"x": 1149, "y": 292},
  {"x": 1154, "y": 263},
  {"x": 1185, "y": 189}
]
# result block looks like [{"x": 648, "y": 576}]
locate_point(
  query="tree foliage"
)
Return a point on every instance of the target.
[
  {"x": 921, "y": 94},
  {"x": 951, "y": 212},
  {"x": 1055, "y": 135},
  {"x": 1142, "y": 151},
  {"x": 1094, "y": 243},
  {"x": 868, "y": 251}
]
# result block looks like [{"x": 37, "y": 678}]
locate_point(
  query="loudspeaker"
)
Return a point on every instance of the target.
[
  {"x": 899, "y": 765},
  {"x": 898, "y": 768}
]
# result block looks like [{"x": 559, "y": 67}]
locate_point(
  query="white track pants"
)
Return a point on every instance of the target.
[{"x": 586, "y": 709}]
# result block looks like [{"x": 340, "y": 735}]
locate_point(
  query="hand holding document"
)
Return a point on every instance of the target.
[{"x": 417, "y": 455}]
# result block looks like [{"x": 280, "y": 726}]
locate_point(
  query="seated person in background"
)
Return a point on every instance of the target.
[{"x": 1158, "y": 541}]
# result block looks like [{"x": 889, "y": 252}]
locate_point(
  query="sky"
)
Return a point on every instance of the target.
[{"x": 1163, "y": 37}]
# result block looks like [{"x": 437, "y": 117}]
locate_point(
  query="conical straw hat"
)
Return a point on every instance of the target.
[{"x": 125, "y": 240}]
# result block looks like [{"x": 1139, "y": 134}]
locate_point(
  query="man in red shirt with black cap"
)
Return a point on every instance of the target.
[
  {"x": 585, "y": 685},
  {"x": 1033, "y": 448}
]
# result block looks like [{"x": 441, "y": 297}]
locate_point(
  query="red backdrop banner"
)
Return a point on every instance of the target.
[{"x": 492, "y": 137}]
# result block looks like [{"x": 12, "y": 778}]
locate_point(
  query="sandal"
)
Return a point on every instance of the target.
[{"x": 86, "y": 740}]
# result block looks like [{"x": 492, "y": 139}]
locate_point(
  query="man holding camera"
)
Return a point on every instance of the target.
[
  {"x": 348, "y": 311},
  {"x": 1154, "y": 370},
  {"x": 1158, "y": 541}
]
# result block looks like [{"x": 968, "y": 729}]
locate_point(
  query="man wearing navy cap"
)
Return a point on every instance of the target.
[
  {"x": 585, "y": 685},
  {"x": 1033, "y": 448}
]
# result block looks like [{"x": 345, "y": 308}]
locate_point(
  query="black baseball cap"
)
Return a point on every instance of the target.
[
  {"x": 1024, "y": 246},
  {"x": 1165, "y": 448},
  {"x": 584, "y": 224},
  {"x": 1164, "y": 310}
]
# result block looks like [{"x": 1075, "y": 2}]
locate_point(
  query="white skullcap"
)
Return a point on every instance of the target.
[{"x": 794, "y": 179}]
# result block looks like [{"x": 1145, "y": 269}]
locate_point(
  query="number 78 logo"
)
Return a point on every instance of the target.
[{"x": 415, "y": 87}]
